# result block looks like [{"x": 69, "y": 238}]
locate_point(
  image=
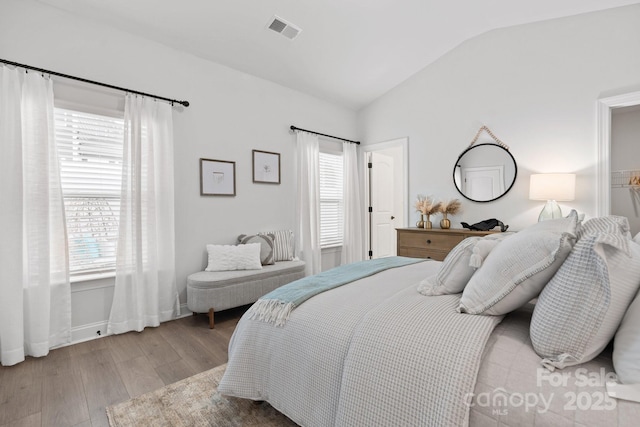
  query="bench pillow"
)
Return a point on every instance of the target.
[
  {"x": 266, "y": 246},
  {"x": 230, "y": 257},
  {"x": 282, "y": 244}
]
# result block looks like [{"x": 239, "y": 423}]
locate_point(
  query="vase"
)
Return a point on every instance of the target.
[
  {"x": 427, "y": 222},
  {"x": 420, "y": 223},
  {"x": 444, "y": 222}
]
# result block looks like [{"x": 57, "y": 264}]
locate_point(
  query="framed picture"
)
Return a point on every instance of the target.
[
  {"x": 217, "y": 177},
  {"x": 266, "y": 167}
]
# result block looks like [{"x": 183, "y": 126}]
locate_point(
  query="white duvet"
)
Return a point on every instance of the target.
[{"x": 373, "y": 352}]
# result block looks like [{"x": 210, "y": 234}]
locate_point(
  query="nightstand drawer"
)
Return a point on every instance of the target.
[
  {"x": 429, "y": 240},
  {"x": 433, "y": 243},
  {"x": 423, "y": 253}
]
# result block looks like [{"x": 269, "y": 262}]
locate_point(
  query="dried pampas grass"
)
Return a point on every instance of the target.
[
  {"x": 427, "y": 206},
  {"x": 450, "y": 207}
]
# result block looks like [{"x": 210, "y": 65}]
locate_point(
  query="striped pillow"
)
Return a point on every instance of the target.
[
  {"x": 454, "y": 273},
  {"x": 579, "y": 310},
  {"x": 282, "y": 244},
  {"x": 605, "y": 224}
]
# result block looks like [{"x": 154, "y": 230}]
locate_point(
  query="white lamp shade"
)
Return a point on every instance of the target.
[{"x": 553, "y": 186}]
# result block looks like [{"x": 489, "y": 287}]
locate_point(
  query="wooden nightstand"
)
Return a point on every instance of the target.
[{"x": 432, "y": 243}]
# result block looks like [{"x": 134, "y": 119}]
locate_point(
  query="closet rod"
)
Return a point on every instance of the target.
[
  {"x": 294, "y": 128},
  {"x": 80, "y": 79}
]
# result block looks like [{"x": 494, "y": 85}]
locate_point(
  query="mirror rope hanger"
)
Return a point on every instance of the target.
[{"x": 492, "y": 135}]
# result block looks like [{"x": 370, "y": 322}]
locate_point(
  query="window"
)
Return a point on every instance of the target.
[
  {"x": 90, "y": 153},
  {"x": 331, "y": 202}
]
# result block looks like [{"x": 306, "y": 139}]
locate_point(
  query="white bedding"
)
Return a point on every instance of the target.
[
  {"x": 574, "y": 396},
  {"x": 373, "y": 352},
  {"x": 362, "y": 355}
]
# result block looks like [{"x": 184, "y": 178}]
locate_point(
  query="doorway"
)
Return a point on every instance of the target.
[
  {"x": 625, "y": 165},
  {"x": 604, "y": 169},
  {"x": 386, "y": 193}
]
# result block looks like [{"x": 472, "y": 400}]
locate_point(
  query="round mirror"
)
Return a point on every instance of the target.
[{"x": 485, "y": 172}]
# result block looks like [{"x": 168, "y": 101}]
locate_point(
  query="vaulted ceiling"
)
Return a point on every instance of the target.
[{"x": 349, "y": 51}]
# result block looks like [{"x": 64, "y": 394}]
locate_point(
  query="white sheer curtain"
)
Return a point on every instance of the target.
[
  {"x": 145, "y": 292},
  {"x": 35, "y": 294},
  {"x": 352, "y": 245},
  {"x": 308, "y": 201}
]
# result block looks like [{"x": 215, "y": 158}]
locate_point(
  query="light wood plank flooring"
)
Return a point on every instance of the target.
[{"x": 73, "y": 385}]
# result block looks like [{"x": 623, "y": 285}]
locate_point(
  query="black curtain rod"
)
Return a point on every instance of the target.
[
  {"x": 294, "y": 128},
  {"x": 80, "y": 79}
]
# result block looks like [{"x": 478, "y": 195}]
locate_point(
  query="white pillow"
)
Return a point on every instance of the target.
[
  {"x": 484, "y": 247},
  {"x": 229, "y": 257},
  {"x": 637, "y": 238},
  {"x": 626, "y": 345},
  {"x": 266, "y": 245},
  {"x": 516, "y": 270},
  {"x": 579, "y": 311},
  {"x": 459, "y": 265},
  {"x": 454, "y": 273}
]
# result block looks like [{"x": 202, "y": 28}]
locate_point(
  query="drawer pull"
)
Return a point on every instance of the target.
[{"x": 428, "y": 242}]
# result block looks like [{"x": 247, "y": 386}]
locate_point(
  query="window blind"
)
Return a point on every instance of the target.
[
  {"x": 90, "y": 153},
  {"x": 331, "y": 199}
]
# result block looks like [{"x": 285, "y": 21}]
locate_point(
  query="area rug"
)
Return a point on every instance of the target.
[{"x": 194, "y": 401}]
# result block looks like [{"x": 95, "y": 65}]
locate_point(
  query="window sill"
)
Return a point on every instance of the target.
[
  {"x": 332, "y": 248},
  {"x": 91, "y": 277}
]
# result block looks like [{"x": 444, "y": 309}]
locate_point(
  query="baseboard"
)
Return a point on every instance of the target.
[
  {"x": 184, "y": 311},
  {"x": 88, "y": 332},
  {"x": 97, "y": 330}
]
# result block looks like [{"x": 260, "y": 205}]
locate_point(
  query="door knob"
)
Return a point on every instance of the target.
[{"x": 393, "y": 217}]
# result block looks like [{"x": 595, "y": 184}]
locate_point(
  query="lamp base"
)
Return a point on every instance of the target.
[{"x": 551, "y": 210}]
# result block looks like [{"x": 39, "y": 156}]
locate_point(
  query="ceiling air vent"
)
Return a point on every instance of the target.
[{"x": 283, "y": 27}]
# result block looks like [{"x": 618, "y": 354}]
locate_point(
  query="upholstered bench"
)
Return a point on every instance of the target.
[{"x": 211, "y": 291}]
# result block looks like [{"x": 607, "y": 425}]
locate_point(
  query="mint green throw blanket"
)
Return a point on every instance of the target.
[{"x": 276, "y": 306}]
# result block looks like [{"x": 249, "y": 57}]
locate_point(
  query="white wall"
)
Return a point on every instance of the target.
[
  {"x": 231, "y": 113},
  {"x": 625, "y": 155},
  {"x": 534, "y": 85}
]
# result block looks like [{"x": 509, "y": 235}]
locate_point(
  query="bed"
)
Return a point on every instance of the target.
[{"x": 377, "y": 352}]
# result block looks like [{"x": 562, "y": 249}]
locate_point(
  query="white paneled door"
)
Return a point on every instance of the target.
[
  {"x": 383, "y": 219},
  {"x": 386, "y": 195}
]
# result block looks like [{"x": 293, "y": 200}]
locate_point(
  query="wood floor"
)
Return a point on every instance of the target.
[{"x": 73, "y": 385}]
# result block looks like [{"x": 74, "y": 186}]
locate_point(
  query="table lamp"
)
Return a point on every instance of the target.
[{"x": 552, "y": 187}]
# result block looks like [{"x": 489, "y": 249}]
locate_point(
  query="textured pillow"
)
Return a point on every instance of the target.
[
  {"x": 626, "y": 345},
  {"x": 457, "y": 268},
  {"x": 282, "y": 244},
  {"x": 229, "y": 257},
  {"x": 578, "y": 312},
  {"x": 454, "y": 273},
  {"x": 266, "y": 245},
  {"x": 517, "y": 269},
  {"x": 484, "y": 247},
  {"x": 605, "y": 224}
]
